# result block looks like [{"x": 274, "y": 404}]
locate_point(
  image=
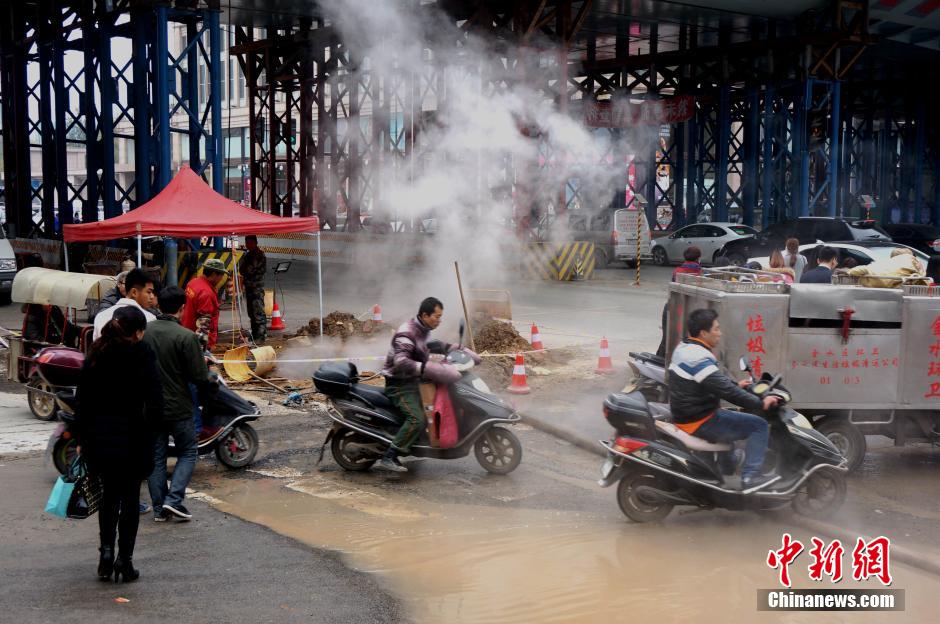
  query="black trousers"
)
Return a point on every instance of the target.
[{"x": 118, "y": 512}]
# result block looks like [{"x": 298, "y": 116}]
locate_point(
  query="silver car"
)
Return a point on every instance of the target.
[{"x": 709, "y": 237}]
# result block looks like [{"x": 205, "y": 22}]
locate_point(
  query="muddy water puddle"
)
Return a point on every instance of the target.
[{"x": 469, "y": 563}]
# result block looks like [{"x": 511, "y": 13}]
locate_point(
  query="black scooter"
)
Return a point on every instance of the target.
[
  {"x": 365, "y": 422},
  {"x": 659, "y": 466},
  {"x": 235, "y": 442}
]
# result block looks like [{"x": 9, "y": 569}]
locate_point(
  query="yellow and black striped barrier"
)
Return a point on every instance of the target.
[
  {"x": 185, "y": 270},
  {"x": 559, "y": 261}
]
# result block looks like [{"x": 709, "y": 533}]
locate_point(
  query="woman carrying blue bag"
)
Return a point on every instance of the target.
[{"x": 119, "y": 405}]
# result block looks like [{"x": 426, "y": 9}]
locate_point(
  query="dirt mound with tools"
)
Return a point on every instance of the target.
[{"x": 344, "y": 326}]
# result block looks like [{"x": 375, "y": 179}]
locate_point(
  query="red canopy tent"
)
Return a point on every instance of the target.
[{"x": 188, "y": 208}]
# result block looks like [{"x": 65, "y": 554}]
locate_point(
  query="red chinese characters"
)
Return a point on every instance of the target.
[
  {"x": 755, "y": 341},
  {"x": 933, "y": 369},
  {"x": 826, "y": 561},
  {"x": 871, "y": 559},
  {"x": 781, "y": 559}
]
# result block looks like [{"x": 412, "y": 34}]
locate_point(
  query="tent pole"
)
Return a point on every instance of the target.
[
  {"x": 320, "y": 282},
  {"x": 140, "y": 263},
  {"x": 66, "y": 246}
]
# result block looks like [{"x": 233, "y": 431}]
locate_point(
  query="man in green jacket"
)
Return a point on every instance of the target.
[{"x": 182, "y": 364}]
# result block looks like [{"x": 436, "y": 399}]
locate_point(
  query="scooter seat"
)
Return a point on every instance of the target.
[
  {"x": 371, "y": 395},
  {"x": 690, "y": 441}
]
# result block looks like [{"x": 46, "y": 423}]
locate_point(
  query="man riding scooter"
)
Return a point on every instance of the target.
[
  {"x": 696, "y": 388},
  {"x": 407, "y": 364}
]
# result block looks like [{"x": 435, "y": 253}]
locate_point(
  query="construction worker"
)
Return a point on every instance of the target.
[
  {"x": 252, "y": 268},
  {"x": 201, "y": 313}
]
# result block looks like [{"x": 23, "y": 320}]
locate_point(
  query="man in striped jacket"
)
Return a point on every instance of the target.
[{"x": 696, "y": 387}]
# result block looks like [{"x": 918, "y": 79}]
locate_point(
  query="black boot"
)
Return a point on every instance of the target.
[
  {"x": 124, "y": 570},
  {"x": 106, "y": 562}
]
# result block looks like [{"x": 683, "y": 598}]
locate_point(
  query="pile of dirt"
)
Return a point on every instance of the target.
[
  {"x": 499, "y": 337},
  {"x": 344, "y": 326},
  {"x": 496, "y": 372}
]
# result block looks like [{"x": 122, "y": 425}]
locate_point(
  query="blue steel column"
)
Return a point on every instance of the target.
[
  {"x": 108, "y": 95},
  {"x": 214, "y": 151},
  {"x": 835, "y": 145},
  {"x": 886, "y": 162},
  {"x": 767, "y": 190},
  {"x": 89, "y": 109},
  {"x": 50, "y": 173},
  {"x": 801, "y": 137},
  {"x": 161, "y": 97},
  {"x": 751, "y": 179},
  {"x": 920, "y": 140},
  {"x": 191, "y": 90},
  {"x": 143, "y": 155},
  {"x": 722, "y": 147},
  {"x": 61, "y": 132}
]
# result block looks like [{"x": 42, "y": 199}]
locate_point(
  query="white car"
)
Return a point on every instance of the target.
[
  {"x": 708, "y": 237},
  {"x": 862, "y": 252}
]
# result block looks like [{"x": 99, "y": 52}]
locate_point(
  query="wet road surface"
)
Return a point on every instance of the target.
[{"x": 544, "y": 544}]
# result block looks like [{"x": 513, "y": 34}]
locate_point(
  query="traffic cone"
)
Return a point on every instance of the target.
[
  {"x": 519, "y": 384},
  {"x": 536, "y": 339},
  {"x": 376, "y": 313},
  {"x": 277, "y": 323},
  {"x": 604, "y": 364}
]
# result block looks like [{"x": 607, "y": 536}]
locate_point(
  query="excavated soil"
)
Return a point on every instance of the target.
[{"x": 344, "y": 326}]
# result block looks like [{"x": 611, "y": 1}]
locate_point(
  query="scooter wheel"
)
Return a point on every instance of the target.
[
  {"x": 847, "y": 438},
  {"x": 238, "y": 448},
  {"x": 498, "y": 450},
  {"x": 40, "y": 404},
  {"x": 821, "y": 495},
  {"x": 341, "y": 454},
  {"x": 63, "y": 453},
  {"x": 633, "y": 505}
]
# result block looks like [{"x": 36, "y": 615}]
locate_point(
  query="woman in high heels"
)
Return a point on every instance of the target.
[{"x": 119, "y": 404}]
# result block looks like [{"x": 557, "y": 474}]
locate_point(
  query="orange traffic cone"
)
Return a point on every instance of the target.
[
  {"x": 519, "y": 384},
  {"x": 536, "y": 338},
  {"x": 277, "y": 323},
  {"x": 376, "y": 313},
  {"x": 604, "y": 364}
]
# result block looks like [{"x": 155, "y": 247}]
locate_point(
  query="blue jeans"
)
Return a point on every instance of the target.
[
  {"x": 184, "y": 437},
  {"x": 197, "y": 411},
  {"x": 728, "y": 426}
]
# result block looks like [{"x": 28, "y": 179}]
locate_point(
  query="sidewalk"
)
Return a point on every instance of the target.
[
  {"x": 20, "y": 431},
  {"x": 214, "y": 569}
]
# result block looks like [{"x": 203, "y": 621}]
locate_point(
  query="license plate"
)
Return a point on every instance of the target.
[{"x": 607, "y": 468}]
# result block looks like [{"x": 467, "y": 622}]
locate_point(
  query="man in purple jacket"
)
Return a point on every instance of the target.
[{"x": 407, "y": 364}]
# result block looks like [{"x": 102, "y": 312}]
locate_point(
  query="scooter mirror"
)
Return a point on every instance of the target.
[{"x": 744, "y": 364}]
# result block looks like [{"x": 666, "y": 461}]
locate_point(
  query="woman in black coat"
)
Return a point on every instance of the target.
[{"x": 120, "y": 402}]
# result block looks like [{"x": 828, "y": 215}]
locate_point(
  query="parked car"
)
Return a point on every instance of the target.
[
  {"x": 925, "y": 238},
  {"x": 709, "y": 237},
  {"x": 807, "y": 230},
  {"x": 7, "y": 268},
  {"x": 862, "y": 252}
]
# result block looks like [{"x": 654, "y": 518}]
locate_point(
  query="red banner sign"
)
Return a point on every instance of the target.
[{"x": 624, "y": 113}]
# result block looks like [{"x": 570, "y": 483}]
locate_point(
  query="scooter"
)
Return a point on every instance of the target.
[
  {"x": 659, "y": 466},
  {"x": 234, "y": 441},
  {"x": 365, "y": 422},
  {"x": 649, "y": 376}
]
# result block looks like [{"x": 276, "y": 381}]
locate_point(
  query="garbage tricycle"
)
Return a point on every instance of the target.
[
  {"x": 865, "y": 361},
  {"x": 52, "y": 303}
]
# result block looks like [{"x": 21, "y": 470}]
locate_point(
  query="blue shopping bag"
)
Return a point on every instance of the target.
[
  {"x": 58, "y": 501},
  {"x": 63, "y": 489}
]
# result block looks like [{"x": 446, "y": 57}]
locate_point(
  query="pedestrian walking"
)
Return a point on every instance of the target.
[
  {"x": 182, "y": 366},
  {"x": 114, "y": 295},
  {"x": 778, "y": 266},
  {"x": 120, "y": 400},
  {"x": 138, "y": 289},
  {"x": 794, "y": 259},
  {"x": 252, "y": 268},
  {"x": 201, "y": 313},
  {"x": 828, "y": 258}
]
